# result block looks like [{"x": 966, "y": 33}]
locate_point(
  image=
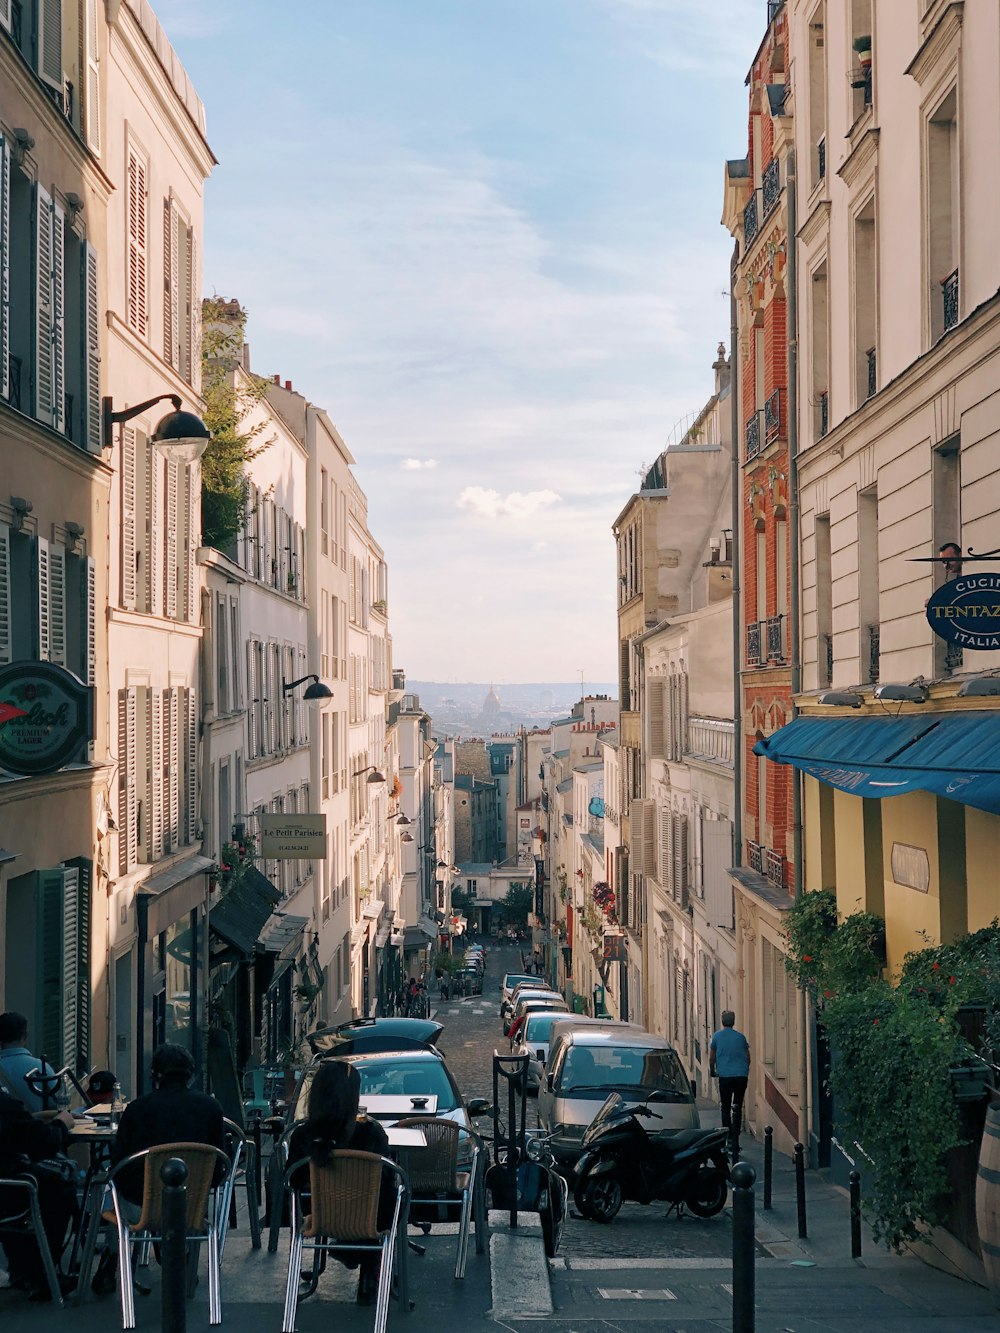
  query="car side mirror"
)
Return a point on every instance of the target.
[
  {"x": 694, "y": 1089},
  {"x": 540, "y": 1055},
  {"x": 478, "y": 1106},
  {"x": 548, "y": 1082}
]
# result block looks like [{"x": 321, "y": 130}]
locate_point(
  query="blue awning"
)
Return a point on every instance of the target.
[{"x": 956, "y": 755}]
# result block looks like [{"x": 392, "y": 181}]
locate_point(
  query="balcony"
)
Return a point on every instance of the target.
[
  {"x": 753, "y": 437},
  {"x": 775, "y": 639},
  {"x": 755, "y": 857},
  {"x": 771, "y": 186},
  {"x": 14, "y": 382},
  {"x": 751, "y": 221},
  {"x": 772, "y": 417},
  {"x": 821, "y": 159},
  {"x": 710, "y": 738},
  {"x": 873, "y": 647},
  {"x": 949, "y": 296},
  {"x": 774, "y": 868},
  {"x": 753, "y": 644},
  {"x": 827, "y": 642},
  {"x": 872, "y": 358},
  {"x": 823, "y": 413}
]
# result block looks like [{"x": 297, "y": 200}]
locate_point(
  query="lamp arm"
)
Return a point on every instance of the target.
[
  {"x": 112, "y": 418},
  {"x": 293, "y": 684}
]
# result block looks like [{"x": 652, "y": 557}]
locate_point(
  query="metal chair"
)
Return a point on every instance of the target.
[
  {"x": 435, "y": 1179},
  {"x": 27, "y": 1221},
  {"x": 343, "y": 1216},
  {"x": 242, "y": 1155},
  {"x": 204, "y": 1164}
]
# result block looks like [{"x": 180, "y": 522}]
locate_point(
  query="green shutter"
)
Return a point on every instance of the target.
[
  {"x": 49, "y": 962},
  {"x": 85, "y": 869}
]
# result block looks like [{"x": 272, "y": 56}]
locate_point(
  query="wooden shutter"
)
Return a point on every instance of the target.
[
  {"x": 154, "y": 525},
  {"x": 50, "y": 63},
  {"x": 58, "y": 305},
  {"x": 5, "y": 14},
  {"x": 717, "y": 856},
  {"x": 170, "y": 545},
  {"x": 680, "y": 849},
  {"x": 127, "y": 762},
  {"x": 251, "y": 702},
  {"x": 189, "y": 308},
  {"x": 665, "y": 848},
  {"x": 48, "y": 1034},
  {"x": 92, "y": 87},
  {"x": 191, "y": 766},
  {"x": 172, "y": 765},
  {"x": 70, "y": 960},
  {"x": 154, "y": 775},
  {"x": 136, "y": 206},
  {"x": 6, "y": 634},
  {"x": 91, "y": 350},
  {"x": 88, "y": 620},
  {"x": 42, "y": 584},
  {"x": 57, "y": 604},
  {"x": 84, "y": 889},
  {"x": 4, "y": 252},
  {"x": 43, "y": 306},
  {"x": 682, "y": 714},
  {"x": 128, "y": 550},
  {"x": 191, "y": 535},
  {"x": 171, "y": 279},
  {"x": 654, "y": 705}
]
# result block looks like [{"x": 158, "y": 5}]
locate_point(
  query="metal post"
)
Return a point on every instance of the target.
[
  {"x": 800, "y": 1189},
  {"x": 744, "y": 1277},
  {"x": 768, "y": 1165},
  {"x": 855, "y": 1179},
  {"x": 173, "y": 1248},
  {"x": 258, "y": 1150}
]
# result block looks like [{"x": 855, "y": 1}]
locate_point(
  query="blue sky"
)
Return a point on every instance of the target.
[{"x": 484, "y": 235}]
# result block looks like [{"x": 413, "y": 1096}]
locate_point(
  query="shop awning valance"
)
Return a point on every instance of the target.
[
  {"x": 956, "y": 755},
  {"x": 245, "y": 908}
]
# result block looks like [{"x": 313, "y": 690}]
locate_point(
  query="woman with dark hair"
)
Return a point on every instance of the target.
[{"x": 334, "y": 1122}]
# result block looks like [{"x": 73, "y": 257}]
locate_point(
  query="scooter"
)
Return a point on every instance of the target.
[{"x": 621, "y": 1160}]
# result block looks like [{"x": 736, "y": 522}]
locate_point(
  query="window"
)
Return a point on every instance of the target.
[
  {"x": 824, "y": 602},
  {"x": 820, "y": 336},
  {"x": 59, "y": 901},
  {"x": 178, "y": 289},
  {"x": 158, "y": 773},
  {"x": 137, "y": 231},
  {"x": 946, "y": 481},
  {"x": 943, "y": 213},
  {"x": 865, "y": 313},
  {"x": 157, "y": 553},
  {"x": 817, "y": 97},
  {"x": 761, "y": 574},
  {"x": 868, "y": 584},
  {"x": 861, "y": 64},
  {"x": 223, "y": 701},
  {"x": 324, "y": 515},
  {"x": 780, "y": 1028},
  {"x": 47, "y": 604}
]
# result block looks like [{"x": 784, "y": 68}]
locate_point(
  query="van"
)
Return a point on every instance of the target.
[
  {"x": 586, "y": 1065},
  {"x": 536, "y": 1033}
]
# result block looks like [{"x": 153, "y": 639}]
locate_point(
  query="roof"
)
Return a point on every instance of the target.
[
  {"x": 596, "y": 840},
  {"x": 560, "y": 754},
  {"x": 592, "y": 766},
  {"x": 565, "y": 785},
  {"x": 476, "y": 867},
  {"x": 615, "y": 1037},
  {"x": 244, "y": 911}
]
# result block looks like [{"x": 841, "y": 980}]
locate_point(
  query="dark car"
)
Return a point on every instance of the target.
[
  {"x": 374, "y": 1034},
  {"x": 467, "y": 981}
]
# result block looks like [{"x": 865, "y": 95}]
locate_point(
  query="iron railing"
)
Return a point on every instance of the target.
[
  {"x": 821, "y": 158},
  {"x": 774, "y": 868},
  {"x": 710, "y": 738},
  {"x": 872, "y": 357},
  {"x": 949, "y": 294},
  {"x": 873, "y": 652},
  {"x": 867, "y": 98},
  {"x": 829, "y": 658},
  {"x": 753, "y": 439},
  {"x": 953, "y": 657},
  {"x": 755, "y": 857},
  {"x": 14, "y": 382},
  {"x": 775, "y": 639},
  {"x": 823, "y": 405},
  {"x": 771, "y": 186},
  {"x": 772, "y": 417},
  {"x": 753, "y": 643},
  {"x": 751, "y": 221}
]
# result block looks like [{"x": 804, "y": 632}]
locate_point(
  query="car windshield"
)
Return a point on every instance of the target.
[
  {"x": 513, "y": 979},
  {"x": 594, "y": 1071},
  {"x": 537, "y": 1027},
  {"x": 394, "y": 1078}
]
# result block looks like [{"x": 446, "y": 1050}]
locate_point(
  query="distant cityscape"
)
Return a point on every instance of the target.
[{"x": 481, "y": 708}]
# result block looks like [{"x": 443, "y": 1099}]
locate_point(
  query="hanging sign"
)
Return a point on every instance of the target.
[
  {"x": 966, "y": 612},
  {"x": 293, "y": 837},
  {"x": 46, "y": 716}
]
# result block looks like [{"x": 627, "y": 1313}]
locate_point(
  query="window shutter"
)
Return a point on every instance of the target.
[
  {"x": 154, "y": 520},
  {"x": 665, "y": 849},
  {"x": 88, "y": 620},
  {"x": 251, "y": 702},
  {"x": 57, "y": 604},
  {"x": 85, "y": 881},
  {"x": 171, "y": 294},
  {"x": 43, "y": 306},
  {"x": 170, "y": 553},
  {"x": 154, "y": 776},
  {"x": 6, "y": 651},
  {"x": 682, "y": 711},
  {"x": 191, "y": 765},
  {"x": 191, "y": 536},
  {"x": 70, "y": 960},
  {"x": 92, "y": 100},
  {"x": 4, "y": 249},
  {"x": 681, "y": 860},
  {"x": 58, "y": 331},
  {"x": 128, "y": 517},
  {"x": 188, "y": 310},
  {"x": 654, "y": 703},
  {"x": 136, "y": 204},
  {"x": 172, "y": 761},
  {"x": 91, "y": 350},
  {"x": 5, "y": 14},
  {"x": 50, "y": 65},
  {"x": 717, "y": 854},
  {"x": 127, "y": 822},
  {"x": 48, "y": 1035},
  {"x": 42, "y": 581}
]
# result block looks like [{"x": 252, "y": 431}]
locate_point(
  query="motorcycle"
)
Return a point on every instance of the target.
[{"x": 621, "y": 1160}]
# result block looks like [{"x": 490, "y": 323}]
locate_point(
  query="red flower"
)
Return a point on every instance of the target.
[
  {"x": 875, "y": 1022},
  {"x": 807, "y": 958},
  {"x": 951, "y": 981},
  {"x": 935, "y": 967},
  {"x": 827, "y": 994}
]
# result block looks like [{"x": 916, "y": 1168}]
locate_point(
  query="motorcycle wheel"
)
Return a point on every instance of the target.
[
  {"x": 706, "y": 1191},
  {"x": 599, "y": 1198},
  {"x": 580, "y": 1200}
]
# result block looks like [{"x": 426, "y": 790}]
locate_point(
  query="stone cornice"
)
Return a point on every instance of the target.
[
  {"x": 939, "y": 43},
  {"x": 862, "y": 156},
  {"x": 19, "y": 429},
  {"x": 817, "y": 221}
]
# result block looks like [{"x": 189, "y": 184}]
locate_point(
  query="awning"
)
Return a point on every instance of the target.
[
  {"x": 174, "y": 892},
  {"x": 415, "y": 937},
  {"x": 245, "y": 908},
  {"x": 956, "y": 755},
  {"x": 282, "y": 935}
]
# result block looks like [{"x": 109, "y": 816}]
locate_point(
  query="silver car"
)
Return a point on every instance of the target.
[{"x": 533, "y": 1041}]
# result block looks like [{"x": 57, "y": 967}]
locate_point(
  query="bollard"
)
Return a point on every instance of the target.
[
  {"x": 744, "y": 1278},
  {"x": 855, "y": 1179},
  {"x": 173, "y": 1247},
  {"x": 768, "y": 1165},
  {"x": 800, "y": 1189}
]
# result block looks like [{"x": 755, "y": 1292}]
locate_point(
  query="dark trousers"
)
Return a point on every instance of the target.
[
  {"x": 731, "y": 1093},
  {"x": 56, "y": 1203}
]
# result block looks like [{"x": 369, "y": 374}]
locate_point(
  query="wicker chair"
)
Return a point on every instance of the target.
[
  {"x": 28, "y": 1221},
  {"x": 343, "y": 1216},
  {"x": 436, "y": 1180},
  {"x": 208, "y": 1169}
]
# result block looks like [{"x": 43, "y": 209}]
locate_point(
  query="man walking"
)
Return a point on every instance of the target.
[{"x": 729, "y": 1061}]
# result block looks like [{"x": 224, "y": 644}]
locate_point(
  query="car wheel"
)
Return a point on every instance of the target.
[
  {"x": 706, "y": 1191},
  {"x": 601, "y": 1198}
]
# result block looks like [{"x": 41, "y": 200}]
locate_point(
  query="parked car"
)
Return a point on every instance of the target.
[
  {"x": 510, "y": 980},
  {"x": 550, "y": 999},
  {"x": 586, "y": 1065},
  {"x": 530, "y": 1005},
  {"x": 531, "y": 985},
  {"x": 374, "y": 1034},
  {"x": 467, "y": 980},
  {"x": 535, "y": 1036}
]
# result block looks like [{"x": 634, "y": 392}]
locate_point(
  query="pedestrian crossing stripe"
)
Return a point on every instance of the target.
[{"x": 636, "y": 1294}]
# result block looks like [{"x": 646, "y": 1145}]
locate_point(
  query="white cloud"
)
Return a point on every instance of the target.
[
  {"x": 516, "y": 504},
  {"x": 418, "y": 464}
]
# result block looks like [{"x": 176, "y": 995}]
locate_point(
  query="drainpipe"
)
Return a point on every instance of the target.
[
  {"x": 805, "y": 1026},
  {"x": 737, "y": 496}
]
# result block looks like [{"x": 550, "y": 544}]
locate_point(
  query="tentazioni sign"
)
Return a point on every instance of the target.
[
  {"x": 46, "y": 715},
  {"x": 966, "y": 612}
]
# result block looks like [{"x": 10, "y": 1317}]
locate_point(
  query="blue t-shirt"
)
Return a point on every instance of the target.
[
  {"x": 732, "y": 1053},
  {"x": 16, "y": 1061}
]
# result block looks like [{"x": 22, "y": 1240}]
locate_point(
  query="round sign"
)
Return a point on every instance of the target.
[
  {"x": 46, "y": 715},
  {"x": 966, "y": 612}
]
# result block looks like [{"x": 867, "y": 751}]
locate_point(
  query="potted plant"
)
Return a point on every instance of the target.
[{"x": 863, "y": 48}]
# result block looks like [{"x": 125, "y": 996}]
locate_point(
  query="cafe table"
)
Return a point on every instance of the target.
[{"x": 98, "y": 1134}]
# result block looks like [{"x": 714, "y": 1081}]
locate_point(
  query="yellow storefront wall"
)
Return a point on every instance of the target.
[{"x": 982, "y": 867}]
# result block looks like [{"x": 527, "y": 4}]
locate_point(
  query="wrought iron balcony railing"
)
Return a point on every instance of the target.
[
  {"x": 751, "y": 221},
  {"x": 772, "y": 417},
  {"x": 770, "y": 186},
  {"x": 949, "y": 294},
  {"x": 872, "y": 356},
  {"x": 774, "y": 868},
  {"x": 754, "y": 657},
  {"x": 775, "y": 639},
  {"x": 755, "y": 857},
  {"x": 828, "y": 646},
  {"x": 821, "y": 159},
  {"x": 823, "y": 412},
  {"x": 754, "y": 443},
  {"x": 873, "y": 651},
  {"x": 14, "y": 382}
]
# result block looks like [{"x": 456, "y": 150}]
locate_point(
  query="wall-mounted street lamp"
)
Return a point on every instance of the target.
[
  {"x": 406, "y": 837},
  {"x": 180, "y": 436},
  {"x": 373, "y": 774},
  {"x": 402, "y": 819},
  {"x": 317, "y": 690},
  {"x": 840, "y": 699},
  {"x": 915, "y": 693}
]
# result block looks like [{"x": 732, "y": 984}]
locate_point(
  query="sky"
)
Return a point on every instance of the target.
[{"x": 484, "y": 235}]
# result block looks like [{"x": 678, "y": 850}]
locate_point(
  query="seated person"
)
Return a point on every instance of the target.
[
  {"x": 334, "y": 1123},
  {"x": 23, "y": 1137},
  {"x": 16, "y": 1059},
  {"x": 101, "y": 1087}
]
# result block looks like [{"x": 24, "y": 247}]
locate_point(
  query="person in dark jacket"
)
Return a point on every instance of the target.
[
  {"x": 23, "y": 1137},
  {"x": 333, "y": 1123}
]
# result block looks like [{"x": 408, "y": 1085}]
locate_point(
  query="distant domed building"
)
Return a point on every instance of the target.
[{"x": 491, "y": 704}]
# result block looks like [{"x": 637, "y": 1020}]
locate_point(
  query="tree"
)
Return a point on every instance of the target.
[{"x": 518, "y": 901}]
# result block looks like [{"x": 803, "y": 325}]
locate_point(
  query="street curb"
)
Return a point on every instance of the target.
[{"x": 520, "y": 1252}]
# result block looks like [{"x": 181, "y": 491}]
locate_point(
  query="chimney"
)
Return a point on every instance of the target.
[
  {"x": 246, "y": 357},
  {"x": 721, "y": 365},
  {"x": 288, "y": 385},
  {"x": 277, "y": 380}
]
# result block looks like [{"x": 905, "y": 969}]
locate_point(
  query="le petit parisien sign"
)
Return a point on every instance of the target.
[
  {"x": 966, "y": 612},
  {"x": 46, "y": 716}
]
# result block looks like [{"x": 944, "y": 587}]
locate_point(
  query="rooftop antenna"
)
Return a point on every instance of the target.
[{"x": 583, "y": 694}]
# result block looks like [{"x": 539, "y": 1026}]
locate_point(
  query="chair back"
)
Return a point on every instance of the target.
[
  {"x": 432, "y": 1169},
  {"x": 344, "y": 1196},
  {"x": 201, "y": 1159},
  {"x": 222, "y": 1076}
]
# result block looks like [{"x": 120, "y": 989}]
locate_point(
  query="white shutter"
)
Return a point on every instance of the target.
[
  {"x": 57, "y": 604},
  {"x": 88, "y": 620},
  {"x": 679, "y": 838},
  {"x": 43, "y": 306},
  {"x": 716, "y": 855},
  {"x": 171, "y": 277},
  {"x": 92, "y": 97},
  {"x": 6, "y": 652},
  {"x": 172, "y": 765},
  {"x": 5, "y": 14},
  {"x": 154, "y": 782},
  {"x": 654, "y": 706},
  {"x": 127, "y": 759},
  {"x": 58, "y": 331},
  {"x": 90, "y": 379},
  {"x": 170, "y": 555},
  {"x": 663, "y": 861},
  {"x": 188, "y": 314},
  {"x": 4, "y": 250},
  {"x": 154, "y": 519},
  {"x": 251, "y": 701},
  {"x": 191, "y": 765},
  {"x": 136, "y": 206},
  {"x": 191, "y": 535},
  {"x": 50, "y": 65},
  {"x": 128, "y": 517},
  {"x": 42, "y": 569},
  {"x": 72, "y": 926}
]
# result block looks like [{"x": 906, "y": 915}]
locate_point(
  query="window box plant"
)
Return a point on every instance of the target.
[{"x": 863, "y": 49}]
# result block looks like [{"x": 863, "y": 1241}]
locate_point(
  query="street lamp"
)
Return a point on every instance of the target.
[
  {"x": 182, "y": 437},
  {"x": 373, "y": 774},
  {"x": 317, "y": 690}
]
